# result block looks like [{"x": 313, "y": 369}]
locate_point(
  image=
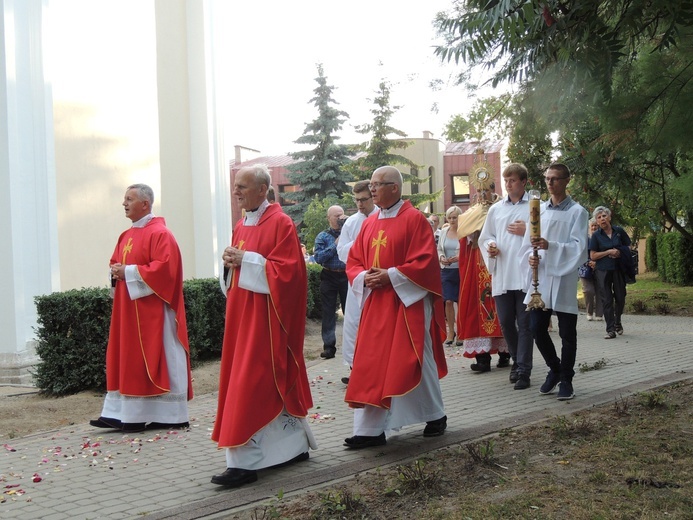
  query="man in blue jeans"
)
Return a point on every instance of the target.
[
  {"x": 562, "y": 247},
  {"x": 333, "y": 278}
]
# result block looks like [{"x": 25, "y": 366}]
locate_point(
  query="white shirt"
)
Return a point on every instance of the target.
[
  {"x": 350, "y": 231},
  {"x": 506, "y": 272},
  {"x": 566, "y": 232}
]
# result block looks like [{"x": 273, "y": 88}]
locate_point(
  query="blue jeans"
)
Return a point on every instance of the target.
[
  {"x": 514, "y": 321},
  {"x": 567, "y": 330},
  {"x": 333, "y": 285}
]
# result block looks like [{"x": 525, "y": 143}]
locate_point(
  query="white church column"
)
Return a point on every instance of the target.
[
  {"x": 195, "y": 195},
  {"x": 28, "y": 215}
]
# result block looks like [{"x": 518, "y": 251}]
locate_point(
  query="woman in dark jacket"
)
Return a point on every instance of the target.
[{"x": 607, "y": 244}]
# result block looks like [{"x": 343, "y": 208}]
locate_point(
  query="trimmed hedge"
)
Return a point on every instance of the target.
[
  {"x": 72, "y": 335},
  {"x": 72, "y": 332},
  {"x": 673, "y": 259},
  {"x": 205, "y": 308},
  {"x": 651, "y": 253}
]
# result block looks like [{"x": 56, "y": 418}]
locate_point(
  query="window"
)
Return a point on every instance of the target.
[
  {"x": 460, "y": 189},
  {"x": 431, "y": 173},
  {"x": 286, "y": 188},
  {"x": 414, "y": 185}
]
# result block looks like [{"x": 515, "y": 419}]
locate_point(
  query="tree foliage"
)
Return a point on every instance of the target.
[
  {"x": 521, "y": 39},
  {"x": 602, "y": 84},
  {"x": 378, "y": 151},
  {"x": 489, "y": 119},
  {"x": 320, "y": 170}
]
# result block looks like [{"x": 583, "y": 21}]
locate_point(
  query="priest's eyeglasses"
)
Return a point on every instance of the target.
[
  {"x": 362, "y": 200},
  {"x": 376, "y": 185}
]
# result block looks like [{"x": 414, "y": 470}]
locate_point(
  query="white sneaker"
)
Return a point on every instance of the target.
[
  {"x": 590, "y": 318},
  {"x": 599, "y": 318}
]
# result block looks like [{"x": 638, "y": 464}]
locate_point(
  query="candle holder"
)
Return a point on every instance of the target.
[{"x": 535, "y": 301}]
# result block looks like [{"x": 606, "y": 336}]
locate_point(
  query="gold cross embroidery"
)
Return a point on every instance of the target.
[
  {"x": 127, "y": 249},
  {"x": 377, "y": 243}
]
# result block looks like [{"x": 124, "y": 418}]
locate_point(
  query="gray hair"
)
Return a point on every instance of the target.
[
  {"x": 601, "y": 209},
  {"x": 144, "y": 192},
  {"x": 261, "y": 173}
]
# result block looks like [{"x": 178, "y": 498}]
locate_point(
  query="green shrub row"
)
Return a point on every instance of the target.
[
  {"x": 72, "y": 331},
  {"x": 673, "y": 259},
  {"x": 651, "y": 253}
]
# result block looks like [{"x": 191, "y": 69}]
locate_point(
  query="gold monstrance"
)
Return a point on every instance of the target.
[{"x": 535, "y": 301}]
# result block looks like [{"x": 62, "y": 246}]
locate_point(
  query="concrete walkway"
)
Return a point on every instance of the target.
[{"x": 86, "y": 473}]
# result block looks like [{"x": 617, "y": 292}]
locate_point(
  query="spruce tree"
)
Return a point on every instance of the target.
[
  {"x": 377, "y": 149},
  {"x": 321, "y": 169}
]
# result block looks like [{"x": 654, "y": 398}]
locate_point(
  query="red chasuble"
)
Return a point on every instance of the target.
[
  {"x": 476, "y": 311},
  {"x": 262, "y": 366},
  {"x": 135, "y": 359},
  {"x": 390, "y": 341}
]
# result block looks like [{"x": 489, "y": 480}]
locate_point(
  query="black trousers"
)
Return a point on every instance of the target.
[
  {"x": 612, "y": 287},
  {"x": 567, "y": 330}
]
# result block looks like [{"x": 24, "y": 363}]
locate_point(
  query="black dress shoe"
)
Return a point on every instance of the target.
[
  {"x": 345, "y": 380},
  {"x": 328, "y": 353},
  {"x": 365, "y": 441},
  {"x": 133, "y": 427},
  {"x": 514, "y": 376},
  {"x": 167, "y": 426},
  {"x": 235, "y": 477},
  {"x": 522, "y": 382},
  {"x": 436, "y": 428},
  {"x": 106, "y": 422}
]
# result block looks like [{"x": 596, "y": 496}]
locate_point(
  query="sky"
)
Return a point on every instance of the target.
[{"x": 272, "y": 49}]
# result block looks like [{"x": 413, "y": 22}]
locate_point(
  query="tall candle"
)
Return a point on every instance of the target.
[{"x": 534, "y": 214}]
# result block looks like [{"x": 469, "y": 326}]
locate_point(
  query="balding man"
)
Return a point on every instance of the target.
[
  {"x": 333, "y": 279},
  {"x": 399, "y": 357},
  {"x": 264, "y": 395}
]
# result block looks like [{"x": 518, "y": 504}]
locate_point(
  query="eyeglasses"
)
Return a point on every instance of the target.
[
  {"x": 376, "y": 185},
  {"x": 364, "y": 199},
  {"x": 551, "y": 180}
]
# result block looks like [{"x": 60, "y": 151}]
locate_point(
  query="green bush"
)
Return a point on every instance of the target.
[
  {"x": 673, "y": 259},
  {"x": 205, "y": 307},
  {"x": 72, "y": 332},
  {"x": 314, "y": 310},
  {"x": 651, "y": 253},
  {"x": 72, "y": 335}
]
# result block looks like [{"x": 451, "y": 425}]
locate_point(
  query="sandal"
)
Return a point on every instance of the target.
[{"x": 610, "y": 335}]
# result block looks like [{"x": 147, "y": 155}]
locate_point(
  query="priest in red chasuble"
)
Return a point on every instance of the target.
[
  {"x": 148, "y": 357},
  {"x": 399, "y": 357},
  {"x": 264, "y": 395}
]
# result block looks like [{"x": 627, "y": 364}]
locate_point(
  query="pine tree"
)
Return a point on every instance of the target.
[
  {"x": 320, "y": 170},
  {"x": 377, "y": 149}
]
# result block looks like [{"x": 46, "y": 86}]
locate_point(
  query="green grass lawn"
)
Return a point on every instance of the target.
[{"x": 650, "y": 295}]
